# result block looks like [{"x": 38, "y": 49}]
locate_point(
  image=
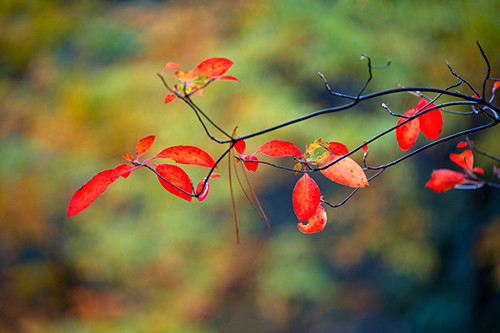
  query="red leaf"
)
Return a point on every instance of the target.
[
  {"x": 431, "y": 122},
  {"x": 227, "y": 77},
  {"x": 199, "y": 187},
  {"x": 338, "y": 148},
  {"x": 144, "y": 144},
  {"x": 169, "y": 98},
  {"x": 240, "y": 146},
  {"x": 443, "y": 180},
  {"x": 496, "y": 85},
  {"x": 462, "y": 144},
  {"x": 478, "y": 170},
  {"x": 279, "y": 148},
  {"x": 464, "y": 159},
  {"x": 365, "y": 148},
  {"x": 316, "y": 223},
  {"x": 407, "y": 134},
  {"x": 251, "y": 166},
  {"x": 212, "y": 67},
  {"x": 176, "y": 176},
  {"x": 95, "y": 187},
  {"x": 306, "y": 198},
  {"x": 171, "y": 65},
  {"x": 187, "y": 155},
  {"x": 345, "y": 172}
]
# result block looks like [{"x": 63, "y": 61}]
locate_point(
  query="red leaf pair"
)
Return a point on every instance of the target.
[
  {"x": 443, "y": 180},
  {"x": 171, "y": 177},
  {"x": 240, "y": 146},
  {"x": 193, "y": 81},
  {"x": 430, "y": 123}
]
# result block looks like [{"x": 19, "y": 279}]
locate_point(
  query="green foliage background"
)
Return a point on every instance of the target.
[{"x": 78, "y": 88}]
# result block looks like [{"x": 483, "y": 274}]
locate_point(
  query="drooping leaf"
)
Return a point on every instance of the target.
[
  {"x": 144, "y": 144},
  {"x": 187, "y": 155},
  {"x": 240, "y": 146},
  {"x": 279, "y": 148},
  {"x": 316, "y": 223},
  {"x": 345, "y": 172},
  {"x": 212, "y": 67},
  {"x": 177, "y": 177},
  {"x": 443, "y": 180},
  {"x": 251, "y": 166},
  {"x": 306, "y": 198},
  {"x": 431, "y": 122},
  {"x": 464, "y": 159},
  {"x": 407, "y": 134},
  {"x": 84, "y": 196}
]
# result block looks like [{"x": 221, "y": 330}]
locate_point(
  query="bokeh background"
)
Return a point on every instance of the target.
[{"x": 78, "y": 88}]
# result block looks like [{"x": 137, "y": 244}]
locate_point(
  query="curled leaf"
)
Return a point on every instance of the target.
[
  {"x": 205, "y": 189},
  {"x": 84, "y": 196},
  {"x": 315, "y": 223},
  {"x": 187, "y": 155},
  {"x": 178, "y": 180},
  {"x": 279, "y": 148},
  {"x": 306, "y": 198}
]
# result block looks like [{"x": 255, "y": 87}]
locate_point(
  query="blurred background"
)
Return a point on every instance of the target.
[{"x": 78, "y": 89}]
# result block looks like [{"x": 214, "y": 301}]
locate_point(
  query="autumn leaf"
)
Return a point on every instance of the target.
[
  {"x": 199, "y": 187},
  {"x": 430, "y": 122},
  {"x": 95, "y": 187},
  {"x": 407, "y": 133},
  {"x": 345, "y": 171},
  {"x": 187, "y": 155},
  {"x": 443, "y": 180},
  {"x": 306, "y": 198},
  {"x": 279, "y": 148},
  {"x": 144, "y": 144},
  {"x": 315, "y": 223},
  {"x": 212, "y": 67},
  {"x": 464, "y": 159},
  {"x": 177, "y": 177}
]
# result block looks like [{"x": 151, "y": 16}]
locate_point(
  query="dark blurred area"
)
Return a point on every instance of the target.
[{"x": 78, "y": 88}]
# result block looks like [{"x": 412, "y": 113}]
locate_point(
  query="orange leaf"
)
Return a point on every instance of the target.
[
  {"x": 407, "y": 134},
  {"x": 176, "y": 176},
  {"x": 84, "y": 196},
  {"x": 464, "y": 159},
  {"x": 345, "y": 172},
  {"x": 316, "y": 223},
  {"x": 443, "y": 180},
  {"x": 187, "y": 155},
  {"x": 144, "y": 144},
  {"x": 431, "y": 122},
  {"x": 306, "y": 198}
]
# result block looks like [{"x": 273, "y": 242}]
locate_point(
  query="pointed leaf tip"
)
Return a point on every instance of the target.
[
  {"x": 84, "y": 196},
  {"x": 144, "y": 144},
  {"x": 407, "y": 133},
  {"x": 177, "y": 178}
]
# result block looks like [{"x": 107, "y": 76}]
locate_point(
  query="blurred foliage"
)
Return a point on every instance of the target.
[{"x": 78, "y": 89}]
